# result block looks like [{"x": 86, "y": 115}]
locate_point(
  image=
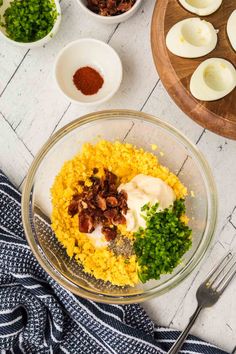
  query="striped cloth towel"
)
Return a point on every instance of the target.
[{"x": 39, "y": 316}]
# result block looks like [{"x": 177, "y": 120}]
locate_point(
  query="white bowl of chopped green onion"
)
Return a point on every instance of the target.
[{"x": 29, "y": 23}]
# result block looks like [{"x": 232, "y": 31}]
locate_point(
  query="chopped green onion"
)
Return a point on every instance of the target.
[
  {"x": 161, "y": 245},
  {"x": 29, "y": 20}
]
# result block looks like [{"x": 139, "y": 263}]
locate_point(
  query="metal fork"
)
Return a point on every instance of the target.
[{"x": 209, "y": 292}]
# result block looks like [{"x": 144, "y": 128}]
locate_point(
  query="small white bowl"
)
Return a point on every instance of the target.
[
  {"x": 110, "y": 19},
  {"x": 95, "y": 54},
  {"x": 35, "y": 44}
]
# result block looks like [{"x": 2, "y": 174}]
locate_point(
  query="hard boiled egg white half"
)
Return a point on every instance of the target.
[
  {"x": 231, "y": 29},
  {"x": 201, "y": 7},
  {"x": 191, "y": 38},
  {"x": 213, "y": 79}
]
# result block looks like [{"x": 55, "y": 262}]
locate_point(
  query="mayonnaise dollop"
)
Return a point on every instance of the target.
[{"x": 142, "y": 190}]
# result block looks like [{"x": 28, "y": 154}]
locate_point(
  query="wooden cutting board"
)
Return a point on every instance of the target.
[{"x": 175, "y": 72}]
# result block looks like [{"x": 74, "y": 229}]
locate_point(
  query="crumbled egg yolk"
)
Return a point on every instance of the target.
[{"x": 154, "y": 147}]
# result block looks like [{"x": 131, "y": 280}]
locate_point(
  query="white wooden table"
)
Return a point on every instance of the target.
[{"x": 31, "y": 109}]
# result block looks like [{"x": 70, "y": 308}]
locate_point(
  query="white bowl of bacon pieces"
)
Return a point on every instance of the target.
[{"x": 110, "y": 11}]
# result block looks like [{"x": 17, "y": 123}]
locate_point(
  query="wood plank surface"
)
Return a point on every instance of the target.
[{"x": 32, "y": 109}]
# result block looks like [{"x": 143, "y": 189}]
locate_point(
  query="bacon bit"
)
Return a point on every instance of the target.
[
  {"x": 86, "y": 222},
  {"x": 101, "y": 202},
  {"x": 110, "y": 215},
  {"x": 84, "y": 205},
  {"x": 94, "y": 180},
  {"x": 73, "y": 208},
  {"x": 124, "y": 6},
  {"x": 76, "y": 197},
  {"x": 122, "y": 199},
  {"x": 112, "y": 202},
  {"x": 110, "y": 177},
  {"x": 119, "y": 219},
  {"x": 113, "y": 188},
  {"x": 95, "y": 170},
  {"x": 109, "y": 233},
  {"x": 111, "y": 4}
]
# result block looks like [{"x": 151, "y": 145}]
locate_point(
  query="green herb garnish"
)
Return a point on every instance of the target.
[
  {"x": 160, "y": 246},
  {"x": 29, "y": 20}
]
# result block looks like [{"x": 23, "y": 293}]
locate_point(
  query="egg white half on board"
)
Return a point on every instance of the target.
[
  {"x": 201, "y": 7},
  {"x": 191, "y": 38},
  {"x": 213, "y": 79},
  {"x": 231, "y": 29}
]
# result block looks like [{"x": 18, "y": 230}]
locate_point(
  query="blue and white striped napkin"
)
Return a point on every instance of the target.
[{"x": 39, "y": 316}]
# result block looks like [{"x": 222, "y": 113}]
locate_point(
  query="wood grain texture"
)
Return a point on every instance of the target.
[
  {"x": 33, "y": 107},
  {"x": 15, "y": 158},
  {"x": 175, "y": 72}
]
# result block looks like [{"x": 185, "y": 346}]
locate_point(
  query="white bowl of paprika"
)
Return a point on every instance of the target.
[
  {"x": 88, "y": 71},
  {"x": 18, "y": 25}
]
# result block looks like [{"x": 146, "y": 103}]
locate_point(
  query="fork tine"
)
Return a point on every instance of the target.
[
  {"x": 225, "y": 281},
  {"x": 223, "y": 268},
  {"x": 218, "y": 269}
]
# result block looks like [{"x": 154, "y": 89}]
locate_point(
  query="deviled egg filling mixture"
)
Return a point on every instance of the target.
[{"x": 120, "y": 213}]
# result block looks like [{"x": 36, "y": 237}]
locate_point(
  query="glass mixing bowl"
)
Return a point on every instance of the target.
[{"x": 174, "y": 151}]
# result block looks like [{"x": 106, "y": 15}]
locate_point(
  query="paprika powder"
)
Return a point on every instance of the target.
[{"x": 88, "y": 80}]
